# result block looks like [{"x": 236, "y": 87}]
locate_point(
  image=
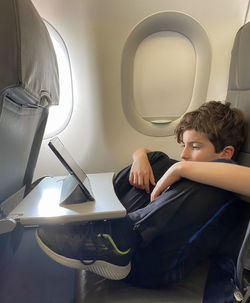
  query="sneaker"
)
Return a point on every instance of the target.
[{"x": 87, "y": 246}]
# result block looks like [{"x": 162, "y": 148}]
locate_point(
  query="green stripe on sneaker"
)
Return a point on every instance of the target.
[{"x": 107, "y": 236}]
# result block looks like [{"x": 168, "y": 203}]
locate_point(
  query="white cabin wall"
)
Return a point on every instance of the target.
[{"x": 99, "y": 136}]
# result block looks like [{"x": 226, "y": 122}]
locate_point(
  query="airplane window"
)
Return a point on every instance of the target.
[
  {"x": 164, "y": 74},
  {"x": 60, "y": 115},
  {"x": 165, "y": 71}
]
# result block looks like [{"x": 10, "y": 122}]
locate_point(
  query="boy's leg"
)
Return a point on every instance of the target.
[
  {"x": 186, "y": 205},
  {"x": 134, "y": 198},
  {"x": 158, "y": 232},
  {"x": 180, "y": 229},
  {"x": 170, "y": 258},
  {"x": 106, "y": 244}
]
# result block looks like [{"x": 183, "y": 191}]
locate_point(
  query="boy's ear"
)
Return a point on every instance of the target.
[{"x": 227, "y": 152}]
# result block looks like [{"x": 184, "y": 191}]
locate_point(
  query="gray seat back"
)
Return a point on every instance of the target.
[
  {"x": 28, "y": 85},
  {"x": 239, "y": 96},
  {"x": 239, "y": 83}
]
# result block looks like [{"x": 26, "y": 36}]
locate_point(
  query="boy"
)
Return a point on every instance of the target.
[{"x": 152, "y": 245}]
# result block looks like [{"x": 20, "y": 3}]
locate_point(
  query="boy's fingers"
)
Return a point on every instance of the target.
[
  {"x": 152, "y": 197},
  {"x": 159, "y": 188},
  {"x": 149, "y": 179},
  {"x": 142, "y": 181},
  {"x": 133, "y": 179},
  {"x": 142, "y": 184},
  {"x": 155, "y": 193}
]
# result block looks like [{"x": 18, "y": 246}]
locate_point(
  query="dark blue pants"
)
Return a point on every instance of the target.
[{"x": 180, "y": 229}]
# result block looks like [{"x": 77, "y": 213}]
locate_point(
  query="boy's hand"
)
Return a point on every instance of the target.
[
  {"x": 171, "y": 176},
  {"x": 141, "y": 173}
]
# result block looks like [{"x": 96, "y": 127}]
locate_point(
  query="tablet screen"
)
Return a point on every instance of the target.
[{"x": 72, "y": 167}]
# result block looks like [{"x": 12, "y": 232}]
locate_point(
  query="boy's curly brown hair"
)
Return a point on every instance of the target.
[{"x": 222, "y": 125}]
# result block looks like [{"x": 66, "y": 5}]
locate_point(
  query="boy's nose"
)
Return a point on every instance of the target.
[{"x": 185, "y": 154}]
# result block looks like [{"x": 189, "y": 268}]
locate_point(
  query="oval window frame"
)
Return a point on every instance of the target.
[{"x": 164, "y": 21}]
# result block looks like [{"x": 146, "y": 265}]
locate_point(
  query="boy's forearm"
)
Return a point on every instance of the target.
[{"x": 230, "y": 177}]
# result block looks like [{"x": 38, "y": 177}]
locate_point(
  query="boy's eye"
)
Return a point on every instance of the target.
[{"x": 196, "y": 147}]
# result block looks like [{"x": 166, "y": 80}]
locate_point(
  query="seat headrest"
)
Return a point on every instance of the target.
[
  {"x": 29, "y": 72},
  {"x": 239, "y": 83}
]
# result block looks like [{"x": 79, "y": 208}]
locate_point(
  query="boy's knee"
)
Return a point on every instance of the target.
[
  {"x": 156, "y": 156},
  {"x": 160, "y": 163}
]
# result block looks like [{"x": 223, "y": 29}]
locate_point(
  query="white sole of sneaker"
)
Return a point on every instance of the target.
[{"x": 101, "y": 268}]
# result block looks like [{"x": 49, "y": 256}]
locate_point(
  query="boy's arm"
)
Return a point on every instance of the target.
[
  {"x": 141, "y": 173},
  {"x": 231, "y": 177}
]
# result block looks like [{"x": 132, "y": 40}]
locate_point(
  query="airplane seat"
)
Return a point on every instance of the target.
[
  {"x": 239, "y": 95},
  {"x": 28, "y": 86},
  {"x": 223, "y": 275},
  {"x": 239, "y": 84}
]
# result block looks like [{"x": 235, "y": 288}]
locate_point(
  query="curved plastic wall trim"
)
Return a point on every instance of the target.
[
  {"x": 59, "y": 116},
  {"x": 164, "y": 21}
]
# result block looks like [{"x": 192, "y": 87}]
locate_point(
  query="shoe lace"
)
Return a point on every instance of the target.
[{"x": 91, "y": 232}]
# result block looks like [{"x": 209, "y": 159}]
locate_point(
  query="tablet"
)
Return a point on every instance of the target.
[{"x": 72, "y": 167}]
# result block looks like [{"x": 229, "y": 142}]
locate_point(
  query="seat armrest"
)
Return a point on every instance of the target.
[{"x": 7, "y": 225}]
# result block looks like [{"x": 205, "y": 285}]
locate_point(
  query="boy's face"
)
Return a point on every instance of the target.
[{"x": 197, "y": 147}]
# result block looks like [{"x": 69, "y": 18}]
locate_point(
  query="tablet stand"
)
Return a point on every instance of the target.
[{"x": 72, "y": 192}]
